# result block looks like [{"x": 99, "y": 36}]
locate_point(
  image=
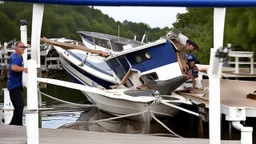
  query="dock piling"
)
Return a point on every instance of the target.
[
  {"x": 7, "y": 105},
  {"x": 32, "y": 104}
]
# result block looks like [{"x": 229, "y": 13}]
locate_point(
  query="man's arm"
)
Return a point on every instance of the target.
[
  {"x": 16, "y": 65},
  {"x": 17, "y": 68},
  {"x": 193, "y": 82}
]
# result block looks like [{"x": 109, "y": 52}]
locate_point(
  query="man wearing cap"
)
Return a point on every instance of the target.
[
  {"x": 14, "y": 83},
  {"x": 191, "y": 46},
  {"x": 191, "y": 60},
  {"x": 185, "y": 47}
]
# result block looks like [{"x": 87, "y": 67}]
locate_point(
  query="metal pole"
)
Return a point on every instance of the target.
[
  {"x": 214, "y": 77},
  {"x": 38, "y": 10},
  {"x": 252, "y": 64},
  {"x": 32, "y": 104},
  {"x": 237, "y": 65},
  {"x": 24, "y": 39},
  {"x": 7, "y": 105}
]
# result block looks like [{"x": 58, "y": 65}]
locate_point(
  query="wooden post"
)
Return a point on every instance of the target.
[
  {"x": 200, "y": 128},
  {"x": 40, "y": 112}
]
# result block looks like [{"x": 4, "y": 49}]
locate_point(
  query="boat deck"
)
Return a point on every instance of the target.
[
  {"x": 233, "y": 93},
  {"x": 17, "y": 135}
]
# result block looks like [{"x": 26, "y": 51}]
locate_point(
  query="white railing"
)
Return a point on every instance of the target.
[{"x": 242, "y": 54}]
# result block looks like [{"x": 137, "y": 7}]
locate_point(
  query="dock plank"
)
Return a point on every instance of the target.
[
  {"x": 233, "y": 93},
  {"x": 17, "y": 135}
]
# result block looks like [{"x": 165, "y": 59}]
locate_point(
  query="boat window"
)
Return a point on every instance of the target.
[
  {"x": 124, "y": 62},
  {"x": 126, "y": 67},
  {"x": 88, "y": 38},
  {"x": 103, "y": 43},
  {"x": 117, "y": 47},
  {"x": 120, "y": 66},
  {"x": 141, "y": 57}
]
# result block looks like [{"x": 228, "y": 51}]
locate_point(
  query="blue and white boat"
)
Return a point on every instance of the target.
[
  {"x": 151, "y": 60},
  {"x": 135, "y": 73}
]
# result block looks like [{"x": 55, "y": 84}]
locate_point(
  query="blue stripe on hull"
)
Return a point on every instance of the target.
[
  {"x": 74, "y": 79},
  {"x": 92, "y": 65},
  {"x": 161, "y": 55},
  {"x": 101, "y": 82}
]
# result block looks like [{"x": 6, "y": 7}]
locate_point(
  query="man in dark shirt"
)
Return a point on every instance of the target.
[{"x": 14, "y": 84}]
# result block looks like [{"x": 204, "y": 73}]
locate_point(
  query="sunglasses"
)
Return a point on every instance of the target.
[{"x": 21, "y": 46}]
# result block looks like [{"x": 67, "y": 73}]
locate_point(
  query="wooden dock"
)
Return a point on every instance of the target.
[
  {"x": 233, "y": 93},
  {"x": 17, "y": 135}
]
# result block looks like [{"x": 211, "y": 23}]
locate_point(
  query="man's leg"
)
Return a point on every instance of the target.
[{"x": 18, "y": 104}]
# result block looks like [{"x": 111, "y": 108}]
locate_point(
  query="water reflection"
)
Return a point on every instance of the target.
[
  {"x": 113, "y": 126},
  {"x": 56, "y": 119}
]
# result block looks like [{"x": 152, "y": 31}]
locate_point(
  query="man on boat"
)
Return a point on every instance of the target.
[{"x": 185, "y": 47}]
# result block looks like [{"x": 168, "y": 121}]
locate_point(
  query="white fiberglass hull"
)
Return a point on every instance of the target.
[{"x": 125, "y": 107}]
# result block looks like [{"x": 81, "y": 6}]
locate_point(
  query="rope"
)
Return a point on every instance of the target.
[
  {"x": 66, "y": 102},
  {"x": 153, "y": 116},
  {"x": 180, "y": 108},
  {"x": 109, "y": 119},
  {"x": 156, "y": 101},
  {"x": 161, "y": 134},
  {"x": 121, "y": 116}
]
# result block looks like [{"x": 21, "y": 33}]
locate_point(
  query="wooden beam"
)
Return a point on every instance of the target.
[
  {"x": 73, "y": 46},
  {"x": 252, "y": 96}
]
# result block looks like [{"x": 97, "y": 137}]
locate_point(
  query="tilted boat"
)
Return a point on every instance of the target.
[{"x": 134, "y": 77}]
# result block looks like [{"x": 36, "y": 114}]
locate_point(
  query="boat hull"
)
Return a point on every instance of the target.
[{"x": 113, "y": 106}]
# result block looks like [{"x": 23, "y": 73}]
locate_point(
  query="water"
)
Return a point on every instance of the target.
[{"x": 183, "y": 124}]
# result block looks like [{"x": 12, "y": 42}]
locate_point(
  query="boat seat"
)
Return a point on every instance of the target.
[
  {"x": 139, "y": 92},
  {"x": 168, "y": 86}
]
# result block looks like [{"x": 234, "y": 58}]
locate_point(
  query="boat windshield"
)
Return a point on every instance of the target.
[
  {"x": 108, "y": 41},
  {"x": 121, "y": 66}
]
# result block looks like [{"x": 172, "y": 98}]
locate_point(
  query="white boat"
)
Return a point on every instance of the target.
[
  {"x": 149, "y": 61},
  {"x": 153, "y": 66},
  {"x": 127, "y": 102}
]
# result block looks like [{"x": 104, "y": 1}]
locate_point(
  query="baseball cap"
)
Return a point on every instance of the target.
[
  {"x": 193, "y": 44},
  {"x": 190, "y": 58}
]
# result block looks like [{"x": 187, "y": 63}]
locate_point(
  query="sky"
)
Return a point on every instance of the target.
[{"x": 154, "y": 16}]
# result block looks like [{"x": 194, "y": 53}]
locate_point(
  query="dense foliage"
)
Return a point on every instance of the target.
[
  {"x": 197, "y": 24},
  {"x": 65, "y": 21},
  {"x": 240, "y": 26}
]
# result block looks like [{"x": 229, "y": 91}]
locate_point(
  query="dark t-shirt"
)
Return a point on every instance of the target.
[{"x": 15, "y": 78}]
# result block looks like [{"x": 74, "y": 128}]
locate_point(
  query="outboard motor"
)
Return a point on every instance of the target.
[{"x": 168, "y": 86}]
